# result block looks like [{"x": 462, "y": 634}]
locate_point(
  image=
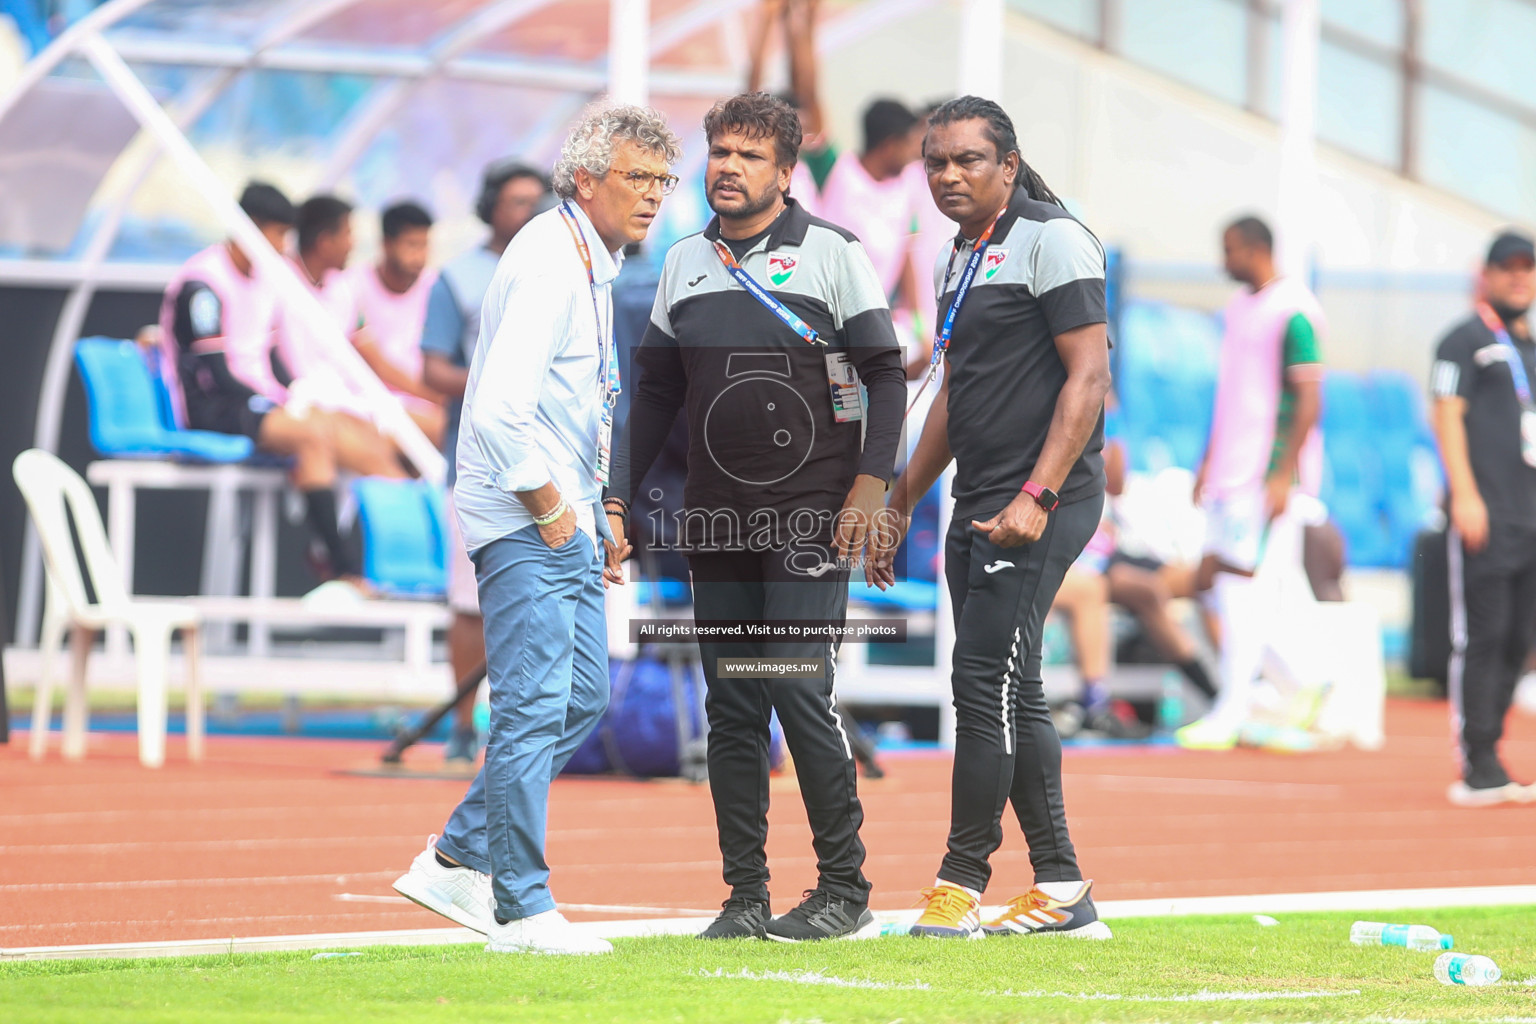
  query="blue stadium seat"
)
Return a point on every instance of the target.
[
  {"x": 673, "y": 593},
  {"x": 1397, "y": 404},
  {"x": 1166, "y": 380},
  {"x": 404, "y": 536},
  {"x": 905, "y": 595},
  {"x": 1346, "y": 406},
  {"x": 918, "y": 556},
  {"x": 129, "y": 416},
  {"x": 1412, "y": 483},
  {"x": 1351, "y": 490}
]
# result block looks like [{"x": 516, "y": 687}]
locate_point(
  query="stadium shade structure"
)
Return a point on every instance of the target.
[{"x": 126, "y": 140}]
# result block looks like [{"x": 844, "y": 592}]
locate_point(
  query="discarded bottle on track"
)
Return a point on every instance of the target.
[
  {"x": 1461, "y": 969},
  {"x": 1419, "y": 937},
  {"x": 1170, "y": 702}
]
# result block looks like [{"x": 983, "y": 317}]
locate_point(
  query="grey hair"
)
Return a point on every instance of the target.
[{"x": 590, "y": 143}]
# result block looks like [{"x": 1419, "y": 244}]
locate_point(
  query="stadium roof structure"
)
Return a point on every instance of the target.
[
  {"x": 124, "y": 143},
  {"x": 126, "y": 140}
]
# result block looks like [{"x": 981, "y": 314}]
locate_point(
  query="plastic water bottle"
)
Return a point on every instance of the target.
[
  {"x": 1170, "y": 704},
  {"x": 895, "y": 928},
  {"x": 1419, "y": 937},
  {"x": 1055, "y": 643},
  {"x": 1461, "y": 969}
]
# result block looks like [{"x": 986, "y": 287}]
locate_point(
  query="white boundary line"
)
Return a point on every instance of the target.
[
  {"x": 1307, "y": 902},
  {"x": 1284, "y": 903},
  {"x": 580, "y": 908}
]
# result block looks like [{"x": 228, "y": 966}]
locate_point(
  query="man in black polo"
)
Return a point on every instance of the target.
[
  {"x": 763, "y": 327},
  {"x": 1021, "y": 413},
  {"x": 1485, "y": 420}
]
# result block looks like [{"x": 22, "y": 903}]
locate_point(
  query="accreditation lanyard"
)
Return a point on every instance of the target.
[
  {"x": 967, "y": 277},
  {"x": 1516, "y": 363},
  {"x": 610, "y": 382},
  {"x": 1521, "y": 381},
  {"x": 806, "y": 332}
]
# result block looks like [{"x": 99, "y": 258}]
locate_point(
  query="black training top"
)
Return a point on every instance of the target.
[
  {"x": 763, "y": 436},
  {"x": 1042, "y": 275},
  {"x": 1472, "y": 364}
]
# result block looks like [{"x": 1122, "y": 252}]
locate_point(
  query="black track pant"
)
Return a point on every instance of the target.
[
  {"x": 754, "y": 587},
  {"x": 1006, "y": 747},
  {"x": 1493, "y": 623}
]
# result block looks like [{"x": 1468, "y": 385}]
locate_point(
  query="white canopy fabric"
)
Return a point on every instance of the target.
[
  {"x": 125, "y": 142},
  {"x": 379, "y": 99}
]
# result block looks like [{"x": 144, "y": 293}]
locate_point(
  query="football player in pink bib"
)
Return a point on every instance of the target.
[{"x": 1263, "y": 447}]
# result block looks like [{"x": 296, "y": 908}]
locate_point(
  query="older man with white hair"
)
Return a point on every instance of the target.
[{"x": 533, "y": 455}]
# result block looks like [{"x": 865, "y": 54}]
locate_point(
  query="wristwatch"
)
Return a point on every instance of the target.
[{"x": 1044, "y": 496}]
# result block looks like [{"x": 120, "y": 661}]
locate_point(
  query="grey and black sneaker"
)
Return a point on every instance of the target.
[
  {"x": 741, "y": 918},
  {"x": 824, "y": 915},
  {"x": 1035, "y": 913},
  {"x": 1116, "y": 721}
]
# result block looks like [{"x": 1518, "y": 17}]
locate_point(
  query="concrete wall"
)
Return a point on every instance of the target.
[{"x": 1157, "y": 169}]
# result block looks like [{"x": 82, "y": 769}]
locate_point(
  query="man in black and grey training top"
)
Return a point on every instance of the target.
[
  {"x": 1021, "y": 413},
  {"x": 764, "y": 325},
  {"x": 1485, "y": 420}
]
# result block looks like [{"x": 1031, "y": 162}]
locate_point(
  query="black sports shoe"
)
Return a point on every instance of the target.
[
  {"x": 741, "y": 918},
  {"x": 1487, "y": 784},
  {"x": 1486, "y": 773},
  {"x": 823, "y": 915}
]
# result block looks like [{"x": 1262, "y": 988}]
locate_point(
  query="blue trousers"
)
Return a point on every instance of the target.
[{"x": 546, "y": 656}]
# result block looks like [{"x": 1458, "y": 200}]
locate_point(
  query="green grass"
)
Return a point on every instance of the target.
[{"x": 1136, "y": 977}]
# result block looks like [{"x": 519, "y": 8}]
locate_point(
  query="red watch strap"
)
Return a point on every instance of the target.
[{"x": 1034, "y": 490}]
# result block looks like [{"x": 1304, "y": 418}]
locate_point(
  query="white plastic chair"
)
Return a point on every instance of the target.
[{"x": 54, "y": 494}]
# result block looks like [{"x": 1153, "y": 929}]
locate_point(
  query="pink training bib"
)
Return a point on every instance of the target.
[{"x": 1249, "y": 382}]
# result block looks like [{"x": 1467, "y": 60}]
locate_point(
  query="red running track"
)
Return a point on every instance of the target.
[{"x": 266, "y": 838}]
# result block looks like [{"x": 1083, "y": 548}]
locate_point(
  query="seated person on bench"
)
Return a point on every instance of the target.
[
  {"x": 217, "y": 321},
  {"x": 391, "y": 300},
  {"x": 1103, "y": 575},
  {"x": 324, "y": 224}
]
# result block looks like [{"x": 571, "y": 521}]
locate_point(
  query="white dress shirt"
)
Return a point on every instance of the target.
[{"x": 534, "y": 399}]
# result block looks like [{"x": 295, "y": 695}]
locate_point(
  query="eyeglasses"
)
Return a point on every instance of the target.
[{"x": 642, "y": 181}]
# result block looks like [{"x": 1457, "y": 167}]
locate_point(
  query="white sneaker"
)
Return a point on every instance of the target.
[
  {"x": 548, "y": 932},
  {"x": 1208, "y": 733},
  {"x": 1463, "y": 795},
  {"x": 335, "y": 596},
  {"x": 462, "y": 894}
]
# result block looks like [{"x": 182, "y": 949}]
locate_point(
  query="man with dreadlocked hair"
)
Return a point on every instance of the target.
[{"x": 1021, "y": 413}]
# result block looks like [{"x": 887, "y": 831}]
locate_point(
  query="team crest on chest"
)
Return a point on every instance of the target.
[
  {"x": 782, "y": 267},
  {"x": 994, "y": 262}
]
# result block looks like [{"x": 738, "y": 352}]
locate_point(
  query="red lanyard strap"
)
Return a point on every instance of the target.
[
  {"x": 1517, "y": 373},
  {"x": 610, "y": 371}
]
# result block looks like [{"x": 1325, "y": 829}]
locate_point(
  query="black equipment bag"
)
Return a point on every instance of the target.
[{"x": 1429, "y": 644}]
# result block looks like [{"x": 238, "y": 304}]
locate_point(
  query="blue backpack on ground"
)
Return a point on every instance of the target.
[{"x": 639, "y": 732}]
